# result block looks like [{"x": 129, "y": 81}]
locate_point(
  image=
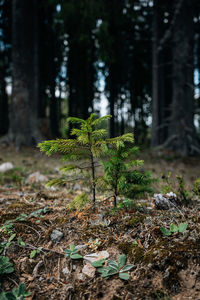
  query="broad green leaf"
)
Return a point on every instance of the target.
[
  {"x": 76, "y": 256},
  {"x": 101, "y": 270},
  {"x": 182, "y": 227},
  {"x": 72, "y": 247},
  {"x": 98, "y": 263},
  {"x": 173, "y": 228},
  {"x": 122, "y": 260},
  {"x": 165, "y": 231},
  {"x": 126, "y": 268},
  {"x": 33, "y": 253},
  {"x": 124, "y": 276},
  {"x": 113, "y": 264}
]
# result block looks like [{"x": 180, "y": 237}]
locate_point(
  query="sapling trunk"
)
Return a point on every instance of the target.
[
  {"x": 115, "y": 200},
  {"x": 93, "y": 178}
]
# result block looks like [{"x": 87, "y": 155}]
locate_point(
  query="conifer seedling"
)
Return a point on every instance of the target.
[
  {"x": 89, "y": 144},
  {"x": 121, "y": 174}
]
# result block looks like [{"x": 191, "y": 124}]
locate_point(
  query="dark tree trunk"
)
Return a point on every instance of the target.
[
  {"x": 161, "y": 88},
  {"x": 4, "y": 120},
  {"x": 25, "y": 74},
  {"x": 182, "y": 137}
]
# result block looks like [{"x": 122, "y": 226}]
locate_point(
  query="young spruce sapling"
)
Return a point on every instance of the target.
[
  {"x": 89, "y": 144},
  {"x": 121, "y": 174}
]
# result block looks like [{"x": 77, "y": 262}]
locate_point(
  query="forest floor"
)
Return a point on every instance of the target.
[{"x": 164, "y": 267}]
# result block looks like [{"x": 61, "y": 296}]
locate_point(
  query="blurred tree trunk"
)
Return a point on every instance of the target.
[
  {"x": 182, "y": 137},
  {"x": 4, "y": 120},
  {"x": 25, "y": 74},
  {"x": 162, "y": 87},
  {"x": 173, "y": 72}
]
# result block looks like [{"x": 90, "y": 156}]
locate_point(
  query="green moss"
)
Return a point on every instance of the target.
[{"x": 136, "y": 220}]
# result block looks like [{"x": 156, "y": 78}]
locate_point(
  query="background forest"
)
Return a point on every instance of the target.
[
  {"x": 137, "y": 60},
  {"x": 89, "y": 82}
]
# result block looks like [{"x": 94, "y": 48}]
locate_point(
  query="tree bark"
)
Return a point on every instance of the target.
[
  {"x": 161, "y": 85},
  {"x": 25, "y": 74},
  {"x": 4, "y": 121},
  {"x": 181, "y": 128}
]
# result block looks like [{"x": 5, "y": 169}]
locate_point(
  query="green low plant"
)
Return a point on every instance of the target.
[
  {"x": 7, "y": 227},
  {"x": 114, "y": 267},
  {"x": 197, "y": 187},
  {"x": 6, "y": 244},
  {"x": 181, "y": 228},
  {"x": 39, "y": 212},
  {"x": 183, "y": 194},
  {"x": 79, "y": 202},
  {"x": 88, "y": 144},
  {"x": 35, "y": 252},
  {"x": 20, "y": 242},
  {"x": 72, "y": 252},
  {"x": 127, "y": 204},
  {"x": 121, "y": 174},
  {"x": 19, "y": 293},
  {"x": 16, "y": 176},
  {"x": 167, "y": 186},
  {"x": 6, "y": 266}
]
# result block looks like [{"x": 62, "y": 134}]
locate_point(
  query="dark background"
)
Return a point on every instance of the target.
[{"x": 61, "y": 58}]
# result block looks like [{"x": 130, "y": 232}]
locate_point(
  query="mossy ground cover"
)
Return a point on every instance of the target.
[{"x": 164, "y": 267}]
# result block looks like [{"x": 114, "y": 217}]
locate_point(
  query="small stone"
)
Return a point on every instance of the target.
[
  {"x": 66, "y": 271},
  {"x": 80, "y": 276},
  {"x": 165, "y": 202},
  {"x": 96, "y": 256},
  {"x": 56, "y": 236},
  {"x": 77, "y": 187},
  {"x": 89, "y": 270},
  {"x": 80, "y": 246},
  {"x": 36, "y": 178},
  {"x": 6, "y": 167}
]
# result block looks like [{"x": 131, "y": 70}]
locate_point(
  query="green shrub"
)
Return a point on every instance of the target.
[{"x": 122, "y": 176}]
